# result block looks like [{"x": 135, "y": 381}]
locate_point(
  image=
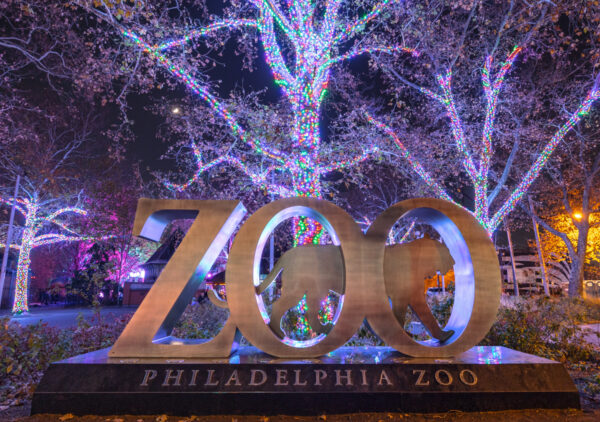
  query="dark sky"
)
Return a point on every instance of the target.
[{"x": 148, "y": 148}]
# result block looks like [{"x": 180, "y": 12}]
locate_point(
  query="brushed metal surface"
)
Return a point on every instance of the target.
[
  {"x": 359, "y": 267},
  {"x": 242, "y": 276},
  {"x": 314, "y": 270},
  {"x": 405, "y": 268},
  {"x": 147, "y": 334},
  {"x": 476, "y": 269}
]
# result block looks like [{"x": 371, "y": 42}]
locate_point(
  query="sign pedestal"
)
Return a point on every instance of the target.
[{"x": 348, "y": 380}]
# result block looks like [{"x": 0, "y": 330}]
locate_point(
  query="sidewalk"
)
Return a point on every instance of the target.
[
  {"x": 592, "y": 335},
  {"x": 64, "y": 317}
]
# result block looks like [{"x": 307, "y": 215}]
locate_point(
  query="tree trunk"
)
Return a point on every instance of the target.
[
  {"x": 576, "y": 277},
  {"x": 306, "y": 177},
  {"x": 578, "y": 261},
  {"x": 21, "y": 283}
]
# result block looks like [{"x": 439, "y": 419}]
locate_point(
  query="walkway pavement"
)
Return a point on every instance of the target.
[
  {"x": 64, "y": 317},
  {"x": 592, "y": 334}
]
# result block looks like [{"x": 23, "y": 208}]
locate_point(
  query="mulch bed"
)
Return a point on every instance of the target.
[
  {"x": 21, "y": 414},
  {"x": 507, "y": 416}
]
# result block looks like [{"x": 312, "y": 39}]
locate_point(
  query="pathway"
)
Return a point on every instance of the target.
[{"x": 64, "y": 317}]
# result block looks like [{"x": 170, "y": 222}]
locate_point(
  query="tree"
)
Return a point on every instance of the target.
[
  {"x": 111, "y": 202},
  {"x": 302, "y": 42},
  {"x": 48, "y": 199},
  {"x": 38, "y": 230},
  {"x": 570, "y": 191},
  {"x": 91, "y": 281},
  {"x": 56, "y": 89},
  {"x": 485, "y": 162}
]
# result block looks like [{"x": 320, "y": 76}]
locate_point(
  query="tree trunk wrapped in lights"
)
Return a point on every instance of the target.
[
  {"x": 36, "y": 222},
  {"x": 315, "y": 32}
]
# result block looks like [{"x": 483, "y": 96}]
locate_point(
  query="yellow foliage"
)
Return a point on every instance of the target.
[
  {"x": 555, "y": 248},
  {"x": 433, "y": 281}
]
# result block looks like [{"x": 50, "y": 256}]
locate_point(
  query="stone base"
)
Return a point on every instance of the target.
[{"x": 349, "y": 380}]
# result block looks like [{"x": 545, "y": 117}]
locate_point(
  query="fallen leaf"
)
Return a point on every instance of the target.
[
  {"x": 66, "y": 417},
  {"x": 162, "y": 418}
]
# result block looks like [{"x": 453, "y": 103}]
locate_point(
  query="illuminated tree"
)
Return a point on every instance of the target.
[
  {"x": 569, "y": 192},
  {"x": 560, "y": 241},
  {"x": 477, "y": 166},
  {"x": 302, "y": 42},
  {"x": 111, "y": 202},
  {"x": 53, "y": 167},
  {"x": 484, "y": 147},
  {"x": 56, "y": 83},
  {"x": 42, "y": 227}
]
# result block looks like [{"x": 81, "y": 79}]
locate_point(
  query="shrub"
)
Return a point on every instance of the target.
[
  {"x": 26, "y": 351},
  {"x": 200, "y": 321},
  {"x": 547, "y": 327}
]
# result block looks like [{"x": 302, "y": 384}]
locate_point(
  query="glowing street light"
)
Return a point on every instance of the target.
[
  {"x": 176, "y": 110},
  {"x": 577, "y": 215}
]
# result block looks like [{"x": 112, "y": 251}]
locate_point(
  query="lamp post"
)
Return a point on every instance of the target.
[
  {"x": 8, "y": 239},
  {"x": 512, "y": 261},
  {"x": 539, "y": 248}
]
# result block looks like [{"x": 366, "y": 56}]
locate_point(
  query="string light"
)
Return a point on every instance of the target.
[
  {"x": 224, "y": 24},
  {"x": 538, "y": 165},
  {"x": 305, "y": 86},
  {"x": 34, "y": 222},
  {"x": 479, "y": 173},
  {"x": 203, "y": 93},
  {"x": 417, "y": 167},
  {"x": 302, "y": 327},
  {"x": 327, "y": 311}
]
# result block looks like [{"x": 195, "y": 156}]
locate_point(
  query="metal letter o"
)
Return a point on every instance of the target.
[
  {"x": 476, "y": 270},
  {"x": 243, "y": 270}
]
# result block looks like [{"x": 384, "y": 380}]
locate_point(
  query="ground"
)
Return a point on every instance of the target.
[
  {"x": 65, "y": 317},
  {"x": 19, "y": 414}
]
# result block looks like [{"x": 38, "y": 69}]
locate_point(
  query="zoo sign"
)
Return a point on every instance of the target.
[{"x": 375, "y": 282}]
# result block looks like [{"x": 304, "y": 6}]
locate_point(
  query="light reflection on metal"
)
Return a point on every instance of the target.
[
  {"x": 360, "y": 268},
  {"x": 477, "y": 275},
  {"x": 243, "y": 266},
  {"x": 148, "y": 332},
  {"x": 489, "y": 355}
]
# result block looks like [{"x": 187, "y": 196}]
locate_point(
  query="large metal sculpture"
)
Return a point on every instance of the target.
[
  {"x": 358, "y": 266},
  {"x": 148, "y": 371}
]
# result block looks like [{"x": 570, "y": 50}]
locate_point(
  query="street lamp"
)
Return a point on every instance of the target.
[
  {"x": 176, "y": 110},
  {"x": 577, "y": 215}
]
